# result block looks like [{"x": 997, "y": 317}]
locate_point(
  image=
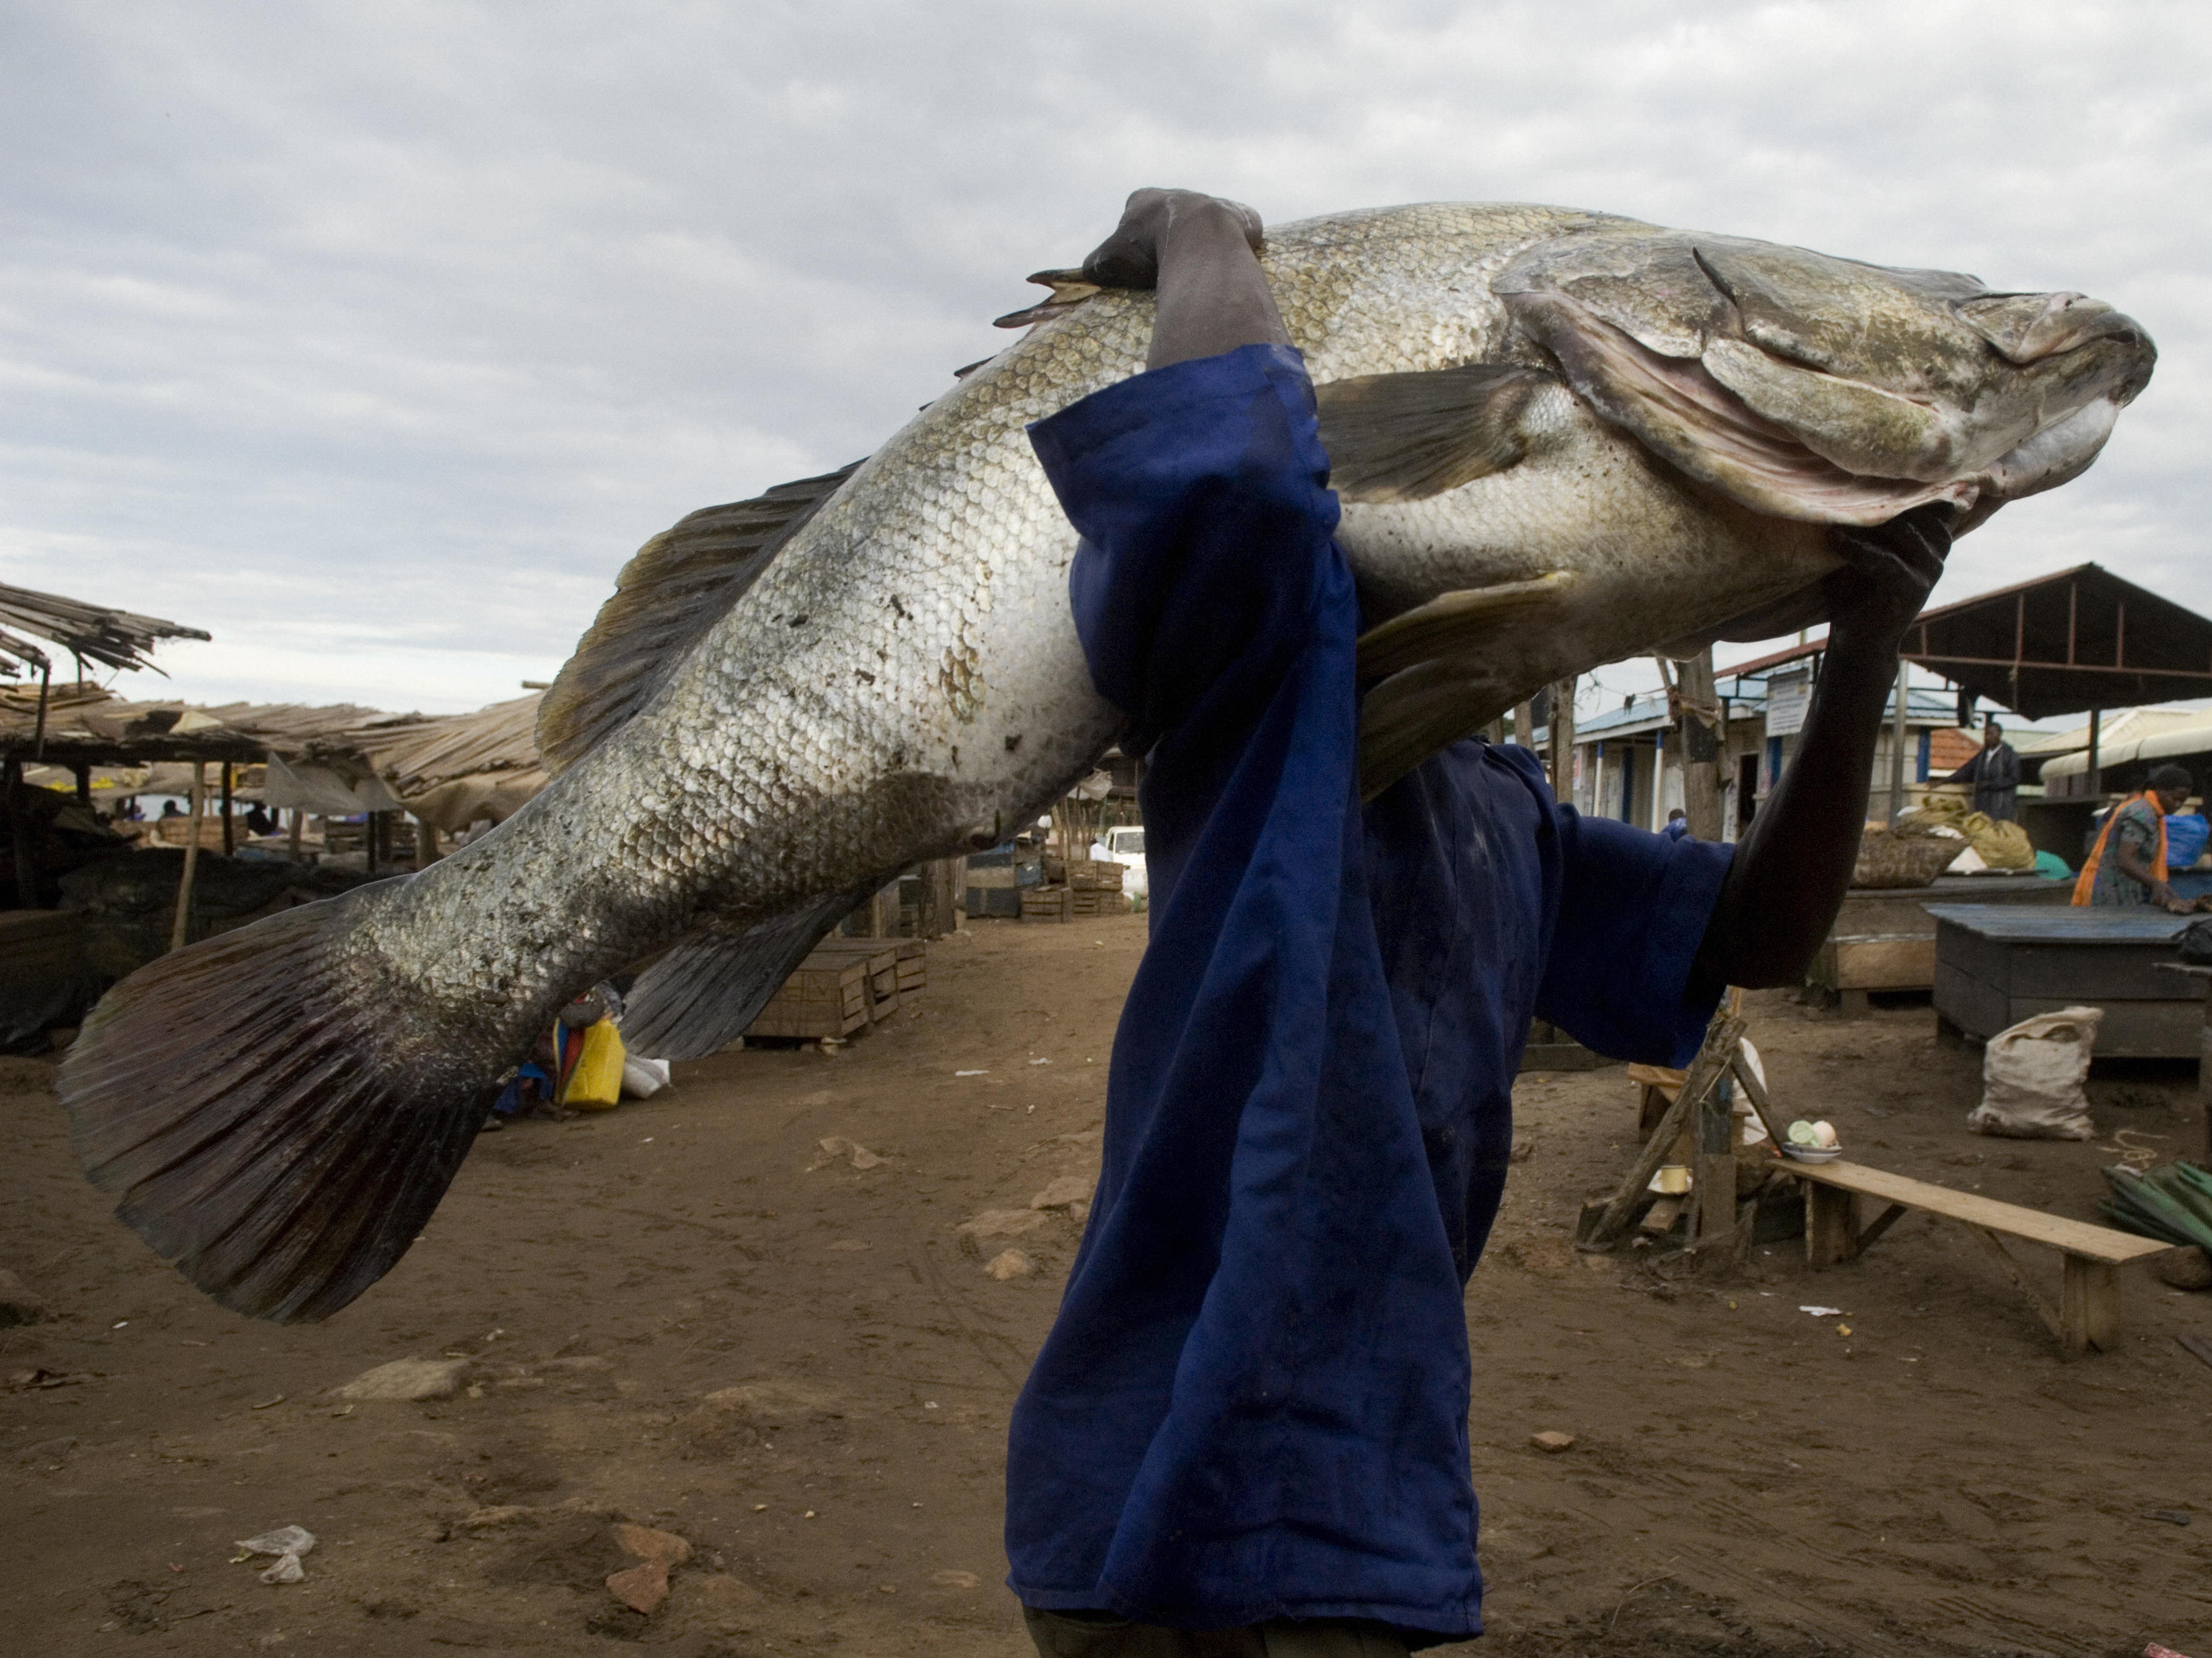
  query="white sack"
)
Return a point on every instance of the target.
[
  {"x": 2032, "y": 1077},
  {"x": 642, "y": 1079}
]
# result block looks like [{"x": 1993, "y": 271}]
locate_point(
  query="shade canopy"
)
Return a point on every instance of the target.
[{"x": 2082, "y": 639}]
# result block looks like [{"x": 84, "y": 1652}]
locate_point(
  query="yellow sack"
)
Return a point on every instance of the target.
[
  {"x": 1999, "y": 846},
  {"x": 595, "y": 1083}
]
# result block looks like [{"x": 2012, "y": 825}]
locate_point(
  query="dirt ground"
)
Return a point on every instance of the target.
[{"x": 687, "y": 1314}]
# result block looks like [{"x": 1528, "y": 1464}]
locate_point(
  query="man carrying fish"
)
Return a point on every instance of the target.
[{"x": 1246, "y": 1433}]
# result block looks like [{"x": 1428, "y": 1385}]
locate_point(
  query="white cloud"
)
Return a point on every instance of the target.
[{"x": 373, "y": 339}]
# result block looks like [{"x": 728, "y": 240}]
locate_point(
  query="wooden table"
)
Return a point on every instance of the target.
[
  {"x": 1884, "y": 938},
  {"x": 1996, "y": 964}
]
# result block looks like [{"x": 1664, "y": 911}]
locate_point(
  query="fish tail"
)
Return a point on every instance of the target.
[{"x": 276, "y": 1118}]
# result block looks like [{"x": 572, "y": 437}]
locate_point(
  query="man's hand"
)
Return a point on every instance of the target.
[
  {"x": 1199, "y": 252},
  {"x": 1889, "y": 572},
  {"x": 1130, "y": 257}
]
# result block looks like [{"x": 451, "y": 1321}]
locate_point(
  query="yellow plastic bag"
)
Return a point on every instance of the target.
[
  {"x": 2000, "y": 846},
  {"x": 595, "y": 1083}
]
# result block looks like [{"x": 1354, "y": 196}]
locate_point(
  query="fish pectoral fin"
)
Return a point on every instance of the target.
[
  {"x": 700, "y": 995},
  {"x": 1069, "y": 290},
  {"x": 674, "y": 588},
  {"x": 1407, "y": 437},
  {"x": 1455, "y": 623},
  {"x": 1427, "y": 673}
]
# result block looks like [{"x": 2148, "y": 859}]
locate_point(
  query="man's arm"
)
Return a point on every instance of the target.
[{"x": 1790, "y": 872}]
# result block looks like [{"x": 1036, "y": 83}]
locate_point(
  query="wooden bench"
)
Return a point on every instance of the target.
[{"x": 2088, "y": 1311}]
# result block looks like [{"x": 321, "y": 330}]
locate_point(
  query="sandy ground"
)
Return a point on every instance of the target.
[{"x": 686, "y": 1313}]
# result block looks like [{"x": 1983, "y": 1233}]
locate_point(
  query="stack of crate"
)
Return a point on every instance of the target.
[
  {"x": 1046, "y": 904},
  {"x": 1094, "y": 887},
  {"x": 845, "y": 984}
]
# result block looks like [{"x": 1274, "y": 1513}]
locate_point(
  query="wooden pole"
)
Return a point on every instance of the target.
[
  {"x": 1563, "y": 739},
  {"x": 229, "y": 829},
  {"x": 1701, "y": 746},
  {"x": 19, "y": 832},
  {"x": 1524, "y": 724},
  {"x": 83, "y": 771},
  {"x": 1897, "y": 744},
  {"x": 298, "y": 817},
  {"x": 181, "y": 924},
  {"x": 2094, "y": 776}
]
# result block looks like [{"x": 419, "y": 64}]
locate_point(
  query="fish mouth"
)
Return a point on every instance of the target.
[{"x": 1825, "y": 391}]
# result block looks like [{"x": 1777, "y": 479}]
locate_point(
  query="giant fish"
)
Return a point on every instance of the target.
[{"x": 1559, "y": 438}]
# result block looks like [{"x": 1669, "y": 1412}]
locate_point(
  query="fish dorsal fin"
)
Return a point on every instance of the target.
[
  {"x": 673, "y": 589},
  {"x": 1430, "y": 673},
  {"x": 1407, "y": 437}
]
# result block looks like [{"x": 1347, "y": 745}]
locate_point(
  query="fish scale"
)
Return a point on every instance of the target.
[{"x": 1531, "y": 486}]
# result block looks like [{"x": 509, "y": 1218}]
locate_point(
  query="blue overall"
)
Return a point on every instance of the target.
[{"x": 1255, "y": 1402}]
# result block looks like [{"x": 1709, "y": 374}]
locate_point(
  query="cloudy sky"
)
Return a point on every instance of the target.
[{"x": 373, "y": 338}]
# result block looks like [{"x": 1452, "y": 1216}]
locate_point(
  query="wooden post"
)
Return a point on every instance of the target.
[
  {"x": 1832, "y": 1224},
  {"x": 2094, "y": 776},
  {"x": 298, "y": 817},
  {"x": 426, "y": 841},
  {"x": 1701, "y": 746},
  {"x": 19, "y": 832},
  {"x": 181, "y": 925},
  {"x": 2089, "y": 1305},
  {"x": 1563, "y": 739},
  {"x": 1897, "y": 743},
  {"x": 370, "y": 823},
  {"x": 1524, "y": 724},
  {"x": 84, "y": 770},
  {"x": 1714, "y": 1170},
  {"x": 229, "y": 828}
]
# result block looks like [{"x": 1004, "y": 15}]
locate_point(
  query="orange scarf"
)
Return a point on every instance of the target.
[{"x": 2087, "y": 881}]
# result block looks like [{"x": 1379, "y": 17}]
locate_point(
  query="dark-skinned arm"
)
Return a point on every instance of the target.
[{"x": 1791, "y": 869}]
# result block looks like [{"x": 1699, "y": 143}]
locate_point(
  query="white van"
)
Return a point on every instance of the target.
[{"x": 1125, "y": 846}]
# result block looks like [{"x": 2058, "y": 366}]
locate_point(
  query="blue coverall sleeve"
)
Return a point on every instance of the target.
[
  {"x": 1201, "y": 492},
  {"x": 1634, "y": 908}
]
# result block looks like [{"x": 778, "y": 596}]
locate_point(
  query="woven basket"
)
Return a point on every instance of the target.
[{"x": 1903, "y": 860}]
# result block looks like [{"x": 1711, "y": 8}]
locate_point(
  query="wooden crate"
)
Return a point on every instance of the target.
[
  {"x": 1099, "y": 875},
  {"x": 1848, "y": 967},
  {"x": 826, "y": 996},
  {"x": 880, "y": 957},
  {"x": 1046, "y": 904},
  {"x": 913, "y": 966},
  {"x": 1098, "y": 901}
]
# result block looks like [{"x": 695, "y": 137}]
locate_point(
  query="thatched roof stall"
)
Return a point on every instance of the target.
[
  {"x": 87, "y": 725},
  {"x": 452, "y": 771}
]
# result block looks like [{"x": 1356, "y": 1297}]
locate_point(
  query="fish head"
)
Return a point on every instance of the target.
[{"x": 1823, "y": 389}]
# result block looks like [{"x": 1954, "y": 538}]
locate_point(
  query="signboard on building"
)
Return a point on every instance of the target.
[{"x": 1788, "y": 695}]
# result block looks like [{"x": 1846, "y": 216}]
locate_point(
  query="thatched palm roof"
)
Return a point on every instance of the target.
[{"x": 117, "y": 638}]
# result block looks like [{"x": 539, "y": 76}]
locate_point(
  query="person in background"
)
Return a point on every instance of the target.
[
  {"x": 2128, "y": 863},
  {"x": 171, "y": 808},
  {"x": 1994, "y": 774},
  {"x": 1678, "y": 826},
  {"x": 260, "y": 820}
]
